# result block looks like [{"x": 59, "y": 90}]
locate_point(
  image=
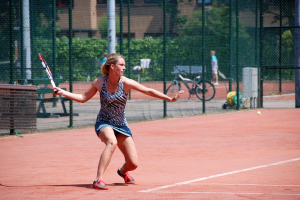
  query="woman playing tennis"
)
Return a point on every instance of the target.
[{"x": 111, "y": 125}]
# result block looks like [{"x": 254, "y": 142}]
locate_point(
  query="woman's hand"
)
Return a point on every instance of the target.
[
  {"x": 177, "y": 96},
  {"x": 57, "y": 91}
]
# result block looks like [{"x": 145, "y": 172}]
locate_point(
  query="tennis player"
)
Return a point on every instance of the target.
[{"x": 111, "y": 125}]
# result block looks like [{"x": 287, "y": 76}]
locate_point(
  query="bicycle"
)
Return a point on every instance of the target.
[{"x": 196, "y": 88}]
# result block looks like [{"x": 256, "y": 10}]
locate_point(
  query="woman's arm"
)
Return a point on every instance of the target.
[
  {"x": 132, "y": 84},
  {"x": 87, "y": 95}
]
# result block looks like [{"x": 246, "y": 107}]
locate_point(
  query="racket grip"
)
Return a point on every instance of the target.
[{"x": 53, "y": 85}]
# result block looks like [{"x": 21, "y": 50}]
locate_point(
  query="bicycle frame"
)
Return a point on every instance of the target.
[
  {"x": 198, "y": 87},
  {"x": 185, "y": 81}
]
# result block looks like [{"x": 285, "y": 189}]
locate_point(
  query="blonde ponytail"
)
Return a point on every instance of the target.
[{"x": 104, "y": 69}]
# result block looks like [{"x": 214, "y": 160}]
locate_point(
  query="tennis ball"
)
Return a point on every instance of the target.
[{"x": 258, "y": 112}]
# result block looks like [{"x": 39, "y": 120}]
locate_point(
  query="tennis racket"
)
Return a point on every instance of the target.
[
  {"x": 48, "y": 72},
  {"x": 222, "y": 75},
  {"x": 97, "y": 63}
]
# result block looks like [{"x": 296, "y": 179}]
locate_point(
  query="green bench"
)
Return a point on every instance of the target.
[{"x": 42, "y": 91}]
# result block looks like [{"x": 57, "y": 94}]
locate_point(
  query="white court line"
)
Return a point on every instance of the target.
[
  {"x": 219, "y": 175},
  {"x": 240, "y": 184},
  {"x": 232, "y": 193},
  {"x": 280, "y": 95}
]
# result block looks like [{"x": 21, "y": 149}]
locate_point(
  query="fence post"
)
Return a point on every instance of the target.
[
  {"x": 237, "y": 57},
  {"x": 54, "y": 43},
  {"x": 129, "y": 59},
  {"x": 164, "y": 52},
  {"x": 121, "y": 27},
  {"x": 203, "y": 55},
  {"x": 261, "y": 71},
  {"x": 11, "y": 43},
  {"x": 230, "y": 44},
  {"x": 297, "y": 52},
  {"x": 70, "y": 61}
]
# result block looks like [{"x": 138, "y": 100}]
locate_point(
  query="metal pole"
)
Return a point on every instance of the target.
[
  {"x": 203, "y": 55},
  {"x": 129, "y": 59},
  {"x": 54, "y": 37},
  {"x": 230, "y": 43},
  {"x": 164, "y": 50},
  {"x": 54, "y": 43},
  {"x": 11, "y": 44},
  {"x": 121, "y": 27},
  {"x": 21, "y": 43},
  {"x": 70, "y": 61},
  {"x": 297, "y": 53},
  {"x": 237, "y": 57},
  {"x": 280, "y": 45},
  {"x": 256, "y": 31},
  {"x": 111, "y": 26},
  {"x": 261, "y": 53},
  {"x": 12, "y": 70},
  {"x": 26, "y": 38}
]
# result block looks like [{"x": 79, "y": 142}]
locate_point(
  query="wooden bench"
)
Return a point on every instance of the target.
[{"x": 42, "y": 99}]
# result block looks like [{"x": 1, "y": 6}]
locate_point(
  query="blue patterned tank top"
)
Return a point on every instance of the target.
[{"x": 112, "y": 105}]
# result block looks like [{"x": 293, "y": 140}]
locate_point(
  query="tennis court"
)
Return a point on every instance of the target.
[{"x": 236, "y": 155}]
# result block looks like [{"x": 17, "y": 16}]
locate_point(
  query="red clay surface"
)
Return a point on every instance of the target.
[{"x": 237, "y": 155}]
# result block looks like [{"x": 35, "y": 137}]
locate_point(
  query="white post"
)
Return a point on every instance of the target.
[
  {"x": 26, "y": 39},
  {"x": 111, "y": 26}
]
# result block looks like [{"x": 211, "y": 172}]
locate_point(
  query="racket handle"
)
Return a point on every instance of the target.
[{"x": 53, "y": 85}]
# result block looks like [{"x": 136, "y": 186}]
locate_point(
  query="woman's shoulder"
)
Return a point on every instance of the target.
[
  {"x": 98, "y": 82},
  {"x": 99, "y": 79},
  {"x": 126, "y": 80}
]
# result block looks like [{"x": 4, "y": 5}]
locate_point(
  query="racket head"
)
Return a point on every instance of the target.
[
  {"x": 97, "y": 63},
  {"x": 222, "y": 75},
  {"x": 42, "y": 60},
  {"x": 48, "y": 71}
]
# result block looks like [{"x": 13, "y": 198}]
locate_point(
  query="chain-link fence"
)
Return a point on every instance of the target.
[
  {"x": 177, "y": 33},
  {"x": 279, "y": 54}
]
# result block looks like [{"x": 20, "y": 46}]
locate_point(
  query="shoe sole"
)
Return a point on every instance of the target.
[{"x": 106, "y": 188}]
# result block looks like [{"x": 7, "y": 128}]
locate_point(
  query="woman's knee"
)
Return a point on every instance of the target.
[{"x": 112, "y": 144}]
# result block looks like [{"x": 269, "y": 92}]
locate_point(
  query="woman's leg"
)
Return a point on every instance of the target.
[
  {"x": 107, "y": 136},
  {"x": 127, "y": 147}
]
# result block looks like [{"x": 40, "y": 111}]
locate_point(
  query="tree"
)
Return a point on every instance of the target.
[
  {"x": 217, "y": 35},
  {"x": 176, "y": 21},
  {"x": 102, "y": 26}
]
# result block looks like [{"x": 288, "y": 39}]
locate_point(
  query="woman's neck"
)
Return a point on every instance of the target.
[{"x": 111, "y": 80}]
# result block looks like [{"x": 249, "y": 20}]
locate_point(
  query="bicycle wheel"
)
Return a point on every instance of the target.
[
  {"x": 209, "y": 90},
  {"x": 173, "y": 89}
]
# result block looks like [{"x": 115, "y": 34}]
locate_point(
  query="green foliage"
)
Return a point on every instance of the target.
[
  {"x": 41, "y": 11},
  {"x": 217, "y": 37},
  {"x": 272, "y": 56},
  {"x": 183, "y": 50},
  {"x": 287, "y": 47},
  {"x": 102, "y": 25},
  {"x": 176, "y": 22},
  {"x": 83, "y": 54}
]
